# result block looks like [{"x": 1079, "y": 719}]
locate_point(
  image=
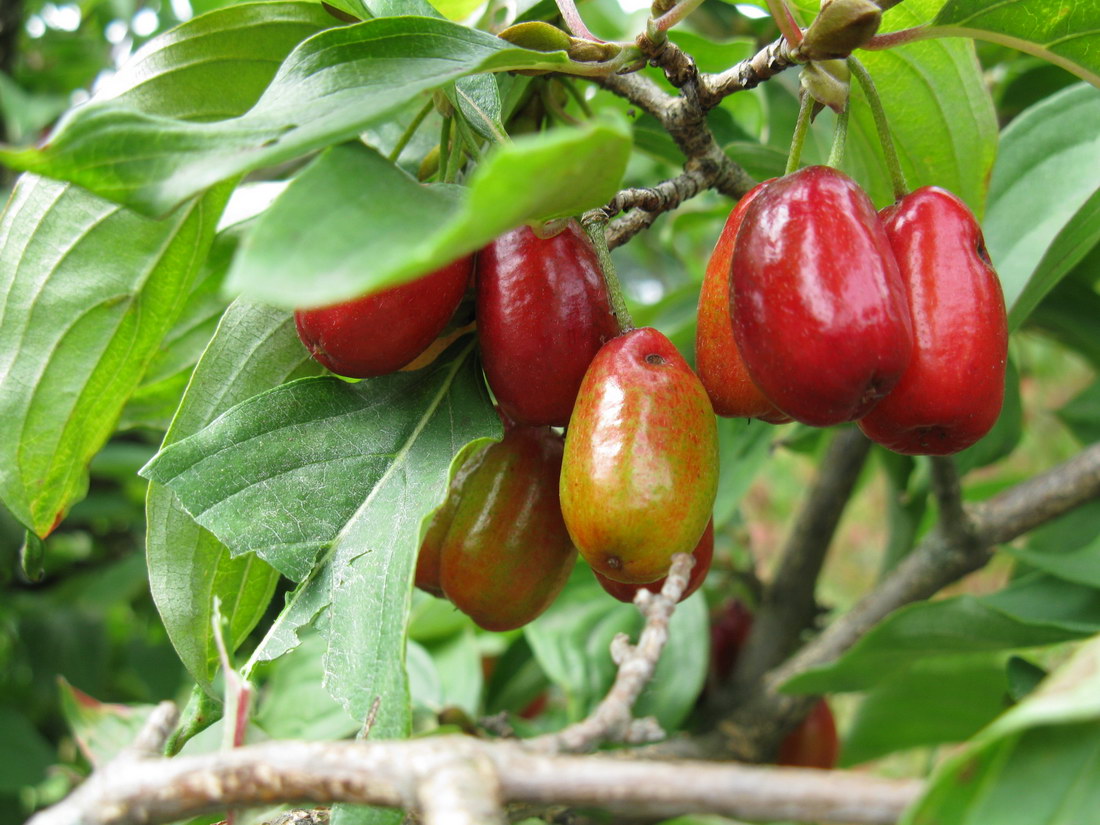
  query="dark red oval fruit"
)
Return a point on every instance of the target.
[
  {"x": 717, "y": 358},
  {"x": 819, "y": 310},
  {"x": 542, "y": 315},
  {"x": 728, "y": 632},
  {"x": 703, "y": 553},
  {"x": 814, "y": 743},
  {"x": 951, "y": 394},
  {"x": 641, "y": 459},
  {"x": 504, "y": 553},
  {"x": 382, "y": 332}
]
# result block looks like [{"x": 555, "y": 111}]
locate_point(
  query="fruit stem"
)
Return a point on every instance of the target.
[
  {"x": 788, "y": 26},
  {"x": 897, "y": 176},
  {"x": 840, "y": 137},
  {"x": 595, "y": 226},
  {"x": 674, "y": 15},
  {"x": 444, "y": 148},
  {"x": 454, "y": 159},
  {"x": 801, "y": 127},
  {"x": 575, "y": 93},
  {"x": 410, "y": 130}
]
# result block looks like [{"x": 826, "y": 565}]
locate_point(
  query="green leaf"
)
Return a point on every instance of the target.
[
  {"x": 1065, "y": 33},
  {"x": 1068, "y": 548},
  {"x": 316, "y": 225},
  {"x": 355, "y": 468},
  {"x": 102, "y": 730},
  {"x": 255, "y": 348},
  {"x": 25, "y": 755},
  {"x": 1032, "y": 611},
  {"x": 1044, "y": 205},
  {"x": 478, "y": 99},
  {"x": 235, "y": 51},
  {"x": 154, "y": 402},
  {"x": 937, "y": 700},
  {"x": 1082, "y": 413},
  {"x": 1069, "y": 315},
  {"x": 1049, "y": 742},
  {"x": 743, "y": 447},
  {"x": 89, "y": 290},
  {"x": 328, "y": 90},
  {"x": 572, "y": 640}
]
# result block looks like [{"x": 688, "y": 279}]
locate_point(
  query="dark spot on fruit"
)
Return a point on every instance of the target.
[
  {"x": 614, "y": 562},
  {"x": 654, "y": 359},
  {"x": 983, "y": 253}
]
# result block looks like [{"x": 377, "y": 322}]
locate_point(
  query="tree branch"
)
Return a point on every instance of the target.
[
  {"x": 788, "y": 607},
  {"x": 753, "y": 730},
  {"x": 392, "y": 773}
]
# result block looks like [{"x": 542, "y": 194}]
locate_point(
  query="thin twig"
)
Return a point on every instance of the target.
[{"x": 613, "y": 719}]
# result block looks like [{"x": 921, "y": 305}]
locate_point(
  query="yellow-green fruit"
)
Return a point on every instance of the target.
[
  {"x": 641, "y": 459},
  {"x": 503, "y": 551}
]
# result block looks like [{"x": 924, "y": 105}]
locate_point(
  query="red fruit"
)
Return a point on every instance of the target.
[
  {"x": 703, "y": 553},
  {"x": 542, "y": 315},
  {"x": 813, "y": 744},
  {"x": 382, "y": 332},
  {"x": 641, "y": 459},
  {"x": 818, "y": 306},
  {"x": 504, "y": 553},
  {"x": 952, "y": 392},
  {"x": 728, "y": 633},
  {"x": 717, "y": 358}
]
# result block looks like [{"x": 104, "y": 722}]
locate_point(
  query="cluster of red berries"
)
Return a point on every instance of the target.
[
  {"x": 632, "y": 483},
  {"x": 816, "y": 308}
]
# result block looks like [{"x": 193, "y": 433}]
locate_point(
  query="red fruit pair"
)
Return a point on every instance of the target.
[{"x": 830, "y": 304}]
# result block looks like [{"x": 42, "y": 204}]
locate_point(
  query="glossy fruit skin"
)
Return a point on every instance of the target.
[
  {"x": 951, "y": 394},
  {"x": 641, "y": 459},
  {"x": 717, "y": 358},
  {"x": 819, "y": 310},
  {"x": 429, "y": 558},
  {"x": 814, "y": 743},
  {"x": 703, "y": 553},
  {"x": 504, "y": 553},
  {"x": 542, "y": 315},
  {"x": 379, "y": 333}
]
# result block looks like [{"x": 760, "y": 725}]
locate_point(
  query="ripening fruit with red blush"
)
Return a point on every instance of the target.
[
  {"x": 819, "y": 310},
  {"x": 503, "y": 551},
  {"x": 641, "y": 459},
  {"x": 542, "y": 315},
  {"x": 814, "y": 743},
  {"x": 703, "y": 553},
  {"x": 381, "y": 332},
  {"x": 717, "y": 358},
  {"x": 951, "y": 394}
]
